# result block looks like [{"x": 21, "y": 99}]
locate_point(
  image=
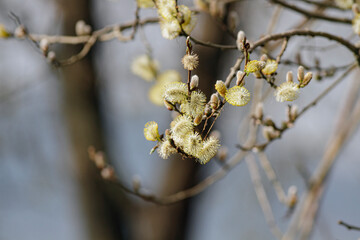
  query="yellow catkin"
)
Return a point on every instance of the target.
[
  {"x": 237, "y": 96},
  {"x": 170, "y": 19},
  {"x": 176, "y": 92},
  {"x": 151, "y": 131},
  {"x": 170, "y": 29},
  {"x": 220, "y": 88},
  {"x": 3, "y": 32},
  {"x": 287, "y": 91},
  {"x": 209, "y": 150},
  {"x": 270, "y": 67},
  {"x": 145, "y": 3},
  {"x": 356, "y": 24},
  {"x": 156, "y": 92},
  {"x": 145, "y": 67},
  {"x": 193, "y": 144},
  {"x": 195, "y": 105},
  {"x": 180, "y": 128},
  {"x": 254, "y": 66},
  {"x": 166, "y": 149},
  {"x": 190, "y": 61},
  {"x": 344, "y": 4}
]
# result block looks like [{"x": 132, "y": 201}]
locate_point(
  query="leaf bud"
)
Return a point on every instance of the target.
[
  {"x": 292, "y": 196},
  {"x": 51, "y": 56},
  {"x": 289, "y": 77},
  {"x": 99, "y": 160},
  {"x": 214, "y": 101},
  {"x": 20, "y": 32},
  {"x": 207, "y": 110},
  {"x": 264, "y": 58},
  {"x": 259, "y": 111},
  {"x": 270, "y": 133},
  {"x": 44, "y": 45},
  {"x": 240, "y": 40},
  {"x": 108, "y": 173},
  {"x": 221, "y": 88},
  {"x": 190, "y": 61},
  {"x": 307, "y": 79},
  {"x": 222, "y": 153},
  {"x": 292, "y": 113},
  {"x": 81, "y": 28},
  {"x": 194, "y": 82},
  {"x": 240, "y": 78},
  {"x": 198, "y": 119},
  {"x": 168, "y": 105},
  {"x": 300, "y": 74}
]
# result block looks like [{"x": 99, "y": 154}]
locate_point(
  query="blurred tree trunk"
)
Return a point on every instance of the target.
[{"x": 81, "y": 106}]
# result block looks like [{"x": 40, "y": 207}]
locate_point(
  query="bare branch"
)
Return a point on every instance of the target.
[
  {"x": 270, "y": 173},
  {"x": 309, "y": 33},
  {"x": 312, "y": 14},
  {"x": 348, "y": 226},
  {"x": 286, "y": 125},
  {"x": 302, "y": 224},
  {"x": 261, "y": 196}
]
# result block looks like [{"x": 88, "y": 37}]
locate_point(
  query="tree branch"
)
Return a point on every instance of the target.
[
  {"x": 261, "y": 196},
  {"x": 312, "y": 14},
  {"x": 348, "y": 226},
  {"x": 351, "y": 47}
]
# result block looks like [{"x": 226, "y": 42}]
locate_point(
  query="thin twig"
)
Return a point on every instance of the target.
[
  {"x": 261, "y": 196},
  {"x": 179, "y": 196},
  {"x": 300, "y": 32},
  {"x": 104, "y": 34},
  {"x": 312, "y": 14},
  {"x": 210, "y": 44},
  {"x": 270, "y": 173},
  {"x": 302, "y": 225},
  {"x": 285, "y": 127},
  {"x": 324, "y": 4},
  {"x": 283, "y": 48},
  {"x": 201, "y": 186},
  {"x": 327, "y": 90},
  {"x": 348, "y": 226}
]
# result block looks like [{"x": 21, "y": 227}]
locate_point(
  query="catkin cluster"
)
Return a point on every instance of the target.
[
  {"x": 182, "y": 136},
  {"x": 173, "y": 18},
  {"x": 192, "y": 106}
]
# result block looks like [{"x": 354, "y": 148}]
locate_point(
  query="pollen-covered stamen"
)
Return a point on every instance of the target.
[
  {"x": 180, "y": 128},
  {"x": 237, "y": 96},
  {"x": 220, "y": 88},
  {"x": 270, "y": 67},
  {"x": 287, "y": 91},
  {"x": 195, "y": 105},
  {"x": 190, "y": 61},
  {"x": 176, "y": 92},
  {"x": 151, "y": 131},
  {"x": 170, "y": 29},
  {"x": 145, "y": 67},
  {"x": 166, "y": 149},
  {"x": 209, "y": 149},
  {"x": 145, "y": 3},
  {"x": 254, "y": 66},
  {"x": 193, "y": 144}
]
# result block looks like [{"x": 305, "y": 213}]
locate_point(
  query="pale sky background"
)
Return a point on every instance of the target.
[{"x": 37, "y": 183}]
